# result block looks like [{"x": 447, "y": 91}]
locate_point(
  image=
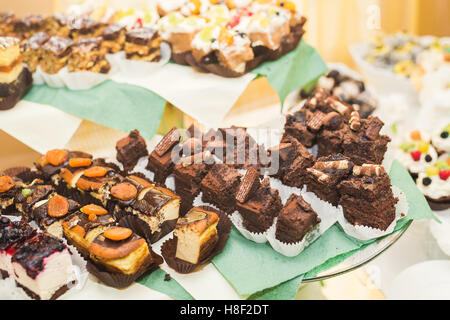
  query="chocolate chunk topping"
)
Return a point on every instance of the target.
[
  {"x": 167, "y": 142},
  {"x": 316, "y": 122},
  {"x": 374, "y": 127},
  {"x": 249, "y": 185}
]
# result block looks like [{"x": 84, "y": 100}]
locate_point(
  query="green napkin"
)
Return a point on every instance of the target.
[
  {"x": 294, "y": 70},
  {"x": 251, "y": 268},
  {"x": 156, "y": 281},
  {"x": 120, "y": 106}
]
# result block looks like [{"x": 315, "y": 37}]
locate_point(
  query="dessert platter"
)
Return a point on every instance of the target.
[{"x": 314, "y": 196}]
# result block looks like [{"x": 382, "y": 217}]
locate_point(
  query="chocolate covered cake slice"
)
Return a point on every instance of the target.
[
  {"x": 119, "y": 250},
  {"x": 87, "y": 55},
  {"x": 113, "y": 38},
  {"x": 15, "y": 80},
  {"x": 219, "y": 187},
  {"x": 366, "y": 197},
  {"x": 83, "y": 226},
  {"x": 130, "y": 149},
  {"x": 322, "y": 178},
  {"x": 295, "y": 220},
  {"x": 32, "y": 49},
  {"x": 50, "y": 213},
  {"x": 43, "y": 267},
  {"x": 12, "y": 235},
  {"x": 196, "y": 235},
  {"x": 263, "y": 203},
  {"x": 160, "y": 160},
  {"x": 293, "y": 160},
  {"x": 364, "y": 143},
  {"x": 143, "y": 44},
  {"x": 55, "y": 54}
]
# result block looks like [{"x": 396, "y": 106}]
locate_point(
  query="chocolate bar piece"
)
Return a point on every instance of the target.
[
  {"x": 249, "y": 184},
  {"x": 130, "y": 149}
]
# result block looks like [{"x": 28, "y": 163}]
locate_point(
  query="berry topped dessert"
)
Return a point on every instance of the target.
[{"x": 441, "y": 140}]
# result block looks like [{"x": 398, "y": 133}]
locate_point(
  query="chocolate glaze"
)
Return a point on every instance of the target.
[
  {"x": 107, "y": 243},
  {"x": 81, "y": 219},
  {"x": 87, "y": 44},
  {"x": 152, "y": 202},
  {"x": 40, "y": 214},
  {"x": 29, "y": 22},
  {"x": 33, "y": 251},
  {"x": 38, "y": 193},
  {"x": 36, "y": 41}
]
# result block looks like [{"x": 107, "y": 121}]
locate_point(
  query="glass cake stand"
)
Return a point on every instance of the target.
[{"x": 360, "y": 258}]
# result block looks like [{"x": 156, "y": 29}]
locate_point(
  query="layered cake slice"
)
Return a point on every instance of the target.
[
  {"x": 50, "y": 213},
  {"x": 296, "y": 127},
  {"x": 196, "y": 235},
  {"x": 43, "y": 268},
  {"x": 143, "y": 44},
  {"x": 293, "y": 160},
  {"x": 15, "y": 80},
  {"x": 120, "y": 250},
  {"x": 113, "y": 38},
  {"x": 367, "y": 198},
  {"x": 130, "y": 149},
  {"x": 257, "y": 202},
  {"x": 160, "y": 160},
  {"x": 87, "y": 55},
  {"x": 83, "y": 226},
  {"x": 322, "y": 179},
  {"x": 219, "y": 187},
  {"x": 12, "y": 235},
  {"x": 55, "y": 54},
  {"x": 295, "y": 220}
]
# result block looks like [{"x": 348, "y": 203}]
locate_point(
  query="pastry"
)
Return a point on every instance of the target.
[
  {"x": 327, "y": 172},
  {"x": 55, "y": 54},
  {"x": 196, "y": 235},
  {"x": 32, "y": 49},
  {"x": 28, "y": 25},
  {"x": 113, "y": 38},
  {"x": 296, "y": 127},
  {"x": 119, "y": 250},
  {"x": 130, "y": 149},
  {"x": 87, "y": 55},
  {"x": 366, "y": 197},
  {"x": 434, "y": 183},
  {"x": 85, "y": 27},
  {"x": 295, "y": 220},
  {"x": 83, "y": 226},
  {"x": 160, "y": 160},
  {"x": 260, "y": 205},
  {"x": 441, "y": 140},
  {"x": 219, "y": 187},
  {"x": 143, "y": 44},
  {"x": 57, "y": 25},
  {"x": 15, "y": 80},
  {"x": 42, "y": 267}
]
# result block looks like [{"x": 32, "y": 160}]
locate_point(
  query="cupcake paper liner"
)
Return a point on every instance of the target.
[
  {"x": 284, "y": 191},
  {"x": 368, "y": 233},
  {"x": 37, "y": 77},
  {"x": 138, "y": 68},
  {"x": 169, "y": 247},
  {"x": 53, "y": 80},
  {"x": 237, "y": 221},
  {"x": 141, "y": 168},
  {"x": 83, "y": 80}
]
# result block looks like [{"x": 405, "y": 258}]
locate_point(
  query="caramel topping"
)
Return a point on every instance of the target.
[
  {"x": 57, "y": 157},
  {"x": 124, "y": 191},
  {"x": 58, "y": 206},
  {"x": 80, "y": 162},
  {"x": 6, "y": 183},
  {"x": 93, "y": 209},
  {"x": 118, "y": 233},
  {"x": 95, "y": 172}
]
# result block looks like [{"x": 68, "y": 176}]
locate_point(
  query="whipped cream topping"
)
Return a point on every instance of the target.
[
  {"x": 437, "y": 189},
  {"x": 413, "y": 166},
  {"x": 175, "y": 22},
  {"x": 440, "y": 142}
]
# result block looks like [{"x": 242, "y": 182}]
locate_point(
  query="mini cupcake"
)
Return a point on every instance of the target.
[
  {"x": 434, "y": 183},
  {"x": 441, "y": 140},
  {"x": 416, "y": 153}
]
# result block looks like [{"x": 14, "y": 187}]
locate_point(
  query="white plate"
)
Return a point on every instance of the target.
[{"x": 428, "y": 280}]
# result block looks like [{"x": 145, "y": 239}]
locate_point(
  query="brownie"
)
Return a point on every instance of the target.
[
  {"x": 87, "y": 55},
  {"x": 160, "y": 160},
  {"x": 261, "y": 208},
  {"x": 326, "y": 174},
  {"x": 219, "y": 187},
  {"x": 366, "y": 197},
  {"x": 329, "y": 140},
  {"x": 295, "y": 220},
  {"x": 130, "y": 149},
  {"x": 295, "y": 127},
  {"x": 293, "y": 160},
  {"x": 32, "y": 49},
  {"x": 364, "y": 143}
]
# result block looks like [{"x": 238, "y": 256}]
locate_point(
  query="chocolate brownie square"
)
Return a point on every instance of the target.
[
  {"x": 296, "y": 127},
  {"x": 366, "y": 197},
  {"x": 130, "y": 149},
  {"x": 85, "y": 27},
  {"x": 295, "y": 220},
  {"x": 364, "y": 143},
  {"x": 219, "y": 187},
  {"x": 323, "y": 178},
  {"x": 261, "y": 208},
  {"x": 329, "y": 140},
  {"x": 293, "y": 160}
]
